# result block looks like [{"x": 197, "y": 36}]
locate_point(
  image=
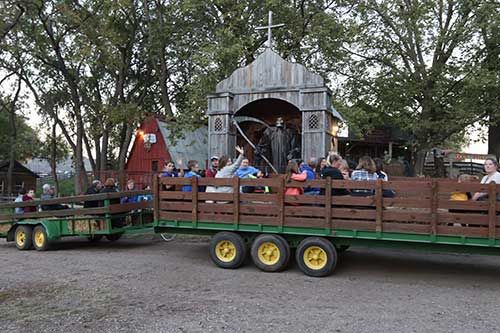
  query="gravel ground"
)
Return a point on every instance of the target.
[{"x": 145, "y": 284}]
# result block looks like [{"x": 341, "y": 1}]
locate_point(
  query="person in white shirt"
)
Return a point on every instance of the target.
[{"x": 492, "y": 175}]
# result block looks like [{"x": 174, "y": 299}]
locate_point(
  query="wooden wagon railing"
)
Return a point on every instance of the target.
[
  {"x": 75, "y": 206},
  {"x": 418, "y": 206}
]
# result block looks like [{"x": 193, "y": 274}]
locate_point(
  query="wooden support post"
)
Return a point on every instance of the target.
[
  {"x": 236, "y": 202},
  {"x": 492, "y": 210},
  {"x": 194, "y": 200},
  {"x": 434, "y": 206},
  {"x": 328, "y": 204},
  {"x": 281, "y": 201},
  {"x": 156, "y": 198},
  {"x": 378, "y": 205}
]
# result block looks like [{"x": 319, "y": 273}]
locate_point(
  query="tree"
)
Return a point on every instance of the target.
[{"x": 410, "y": 62}]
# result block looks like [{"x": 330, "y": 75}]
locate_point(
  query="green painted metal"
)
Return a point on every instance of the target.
[
  {"x": 65, "y": 226},
  {"x": 342, "y": 237}
]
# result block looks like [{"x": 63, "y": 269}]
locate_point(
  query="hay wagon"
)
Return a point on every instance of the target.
[
  {"x": 420, "y": 215},
  {"x": 40, "y": 228}
]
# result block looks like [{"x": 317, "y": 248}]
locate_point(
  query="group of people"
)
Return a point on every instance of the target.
[
  {"x": 492, "y": 175},
  {"x": 337, "y": 168},
  {"x": 333, "y": 166},
  {"x": 48, "y": 192}
]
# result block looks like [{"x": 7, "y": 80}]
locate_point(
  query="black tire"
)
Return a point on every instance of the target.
[
  {"x": 94, "y": 238},
  {"x": 40, "y": 239},
  {"x": 228, "y": 250},
  {"x": 270, "y": 253},
  {"x": 316, "y": 256},
  {"x": 23, "y": 237},
  {"x": 113, "y": 237}
]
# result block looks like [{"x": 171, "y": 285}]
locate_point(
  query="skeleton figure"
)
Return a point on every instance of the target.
[{"x": 279, "y": 144}]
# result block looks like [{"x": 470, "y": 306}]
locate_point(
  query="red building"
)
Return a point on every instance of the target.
[{"x": 153, "y": 147}]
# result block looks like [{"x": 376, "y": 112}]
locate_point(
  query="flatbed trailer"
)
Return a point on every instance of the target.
[
  {"x": 40, "y": 229},
  {"x": 419, "y": 215}
]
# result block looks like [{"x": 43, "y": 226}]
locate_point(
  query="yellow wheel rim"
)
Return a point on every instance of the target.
[
  {"x": 268, "y": 253},
  {"x": 225, "y": 251},
  {"x": 39, "y": 238},
  {"x": 315, "y": 257},
  {"x": 20, "y": 238}
]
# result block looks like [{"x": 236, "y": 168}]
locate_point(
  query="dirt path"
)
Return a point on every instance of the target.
[{"x": 144, "y": 284}]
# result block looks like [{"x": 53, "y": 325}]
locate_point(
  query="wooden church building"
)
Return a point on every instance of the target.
[{"x": 268, "y": 88}]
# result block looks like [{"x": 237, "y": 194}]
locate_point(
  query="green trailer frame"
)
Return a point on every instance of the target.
[
  {"x": 420, "y": 216},
  {"x": 93, "y": 223}
]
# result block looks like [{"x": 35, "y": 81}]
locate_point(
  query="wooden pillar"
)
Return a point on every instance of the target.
[
  {"x": 434, "y": 205},
  {"x": 156, "y": 198},
  {"x": 378, "y": 205},
  {"x": 492, "y": 214},
  {"x": 328, "y": 203},
  {"x": 281, "y": 201},
  {"x": 236, "y": 202},
  {"x": 194, "y": 200}
]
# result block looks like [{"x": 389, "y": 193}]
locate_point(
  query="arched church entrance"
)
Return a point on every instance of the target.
[{"x": 257, "y": 116}]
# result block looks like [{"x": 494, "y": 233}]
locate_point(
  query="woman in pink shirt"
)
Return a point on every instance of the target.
[{"x": 293, "y": 173}]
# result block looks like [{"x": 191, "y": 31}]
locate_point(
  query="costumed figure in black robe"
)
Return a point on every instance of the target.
[{"x": 279, "y": 144}]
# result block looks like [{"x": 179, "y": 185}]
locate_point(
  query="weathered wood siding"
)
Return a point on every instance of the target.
[{"x": 271, "y": 77}]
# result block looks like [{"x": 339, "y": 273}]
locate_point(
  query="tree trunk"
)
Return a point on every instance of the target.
[
  {"x": 53, "y": 157},
  {"x": 420, "y": 162},
  {"x": 124, "y": 148},
  {"x": 13, "y": 138},
  {"x": 12, "y": 152},
  {"x": 494, "y": 138},
  {"x": 104, "y": 151}
]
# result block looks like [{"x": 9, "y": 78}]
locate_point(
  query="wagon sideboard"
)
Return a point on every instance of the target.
[{"x": 419, "y": 212}]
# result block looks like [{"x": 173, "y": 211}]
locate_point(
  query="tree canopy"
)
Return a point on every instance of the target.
[{"x": 96, "y": 68}]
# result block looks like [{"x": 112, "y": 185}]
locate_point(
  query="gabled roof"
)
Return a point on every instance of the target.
[
  {"x": 191, "y": 146},
  {"x": 18, "y": 167},
  {"x": 270, "y": 71}
]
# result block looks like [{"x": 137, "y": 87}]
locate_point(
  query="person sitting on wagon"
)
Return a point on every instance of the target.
[
  {"x": 311, "y": 175},
  {"x": 492, "y": 175},
  {"x": 379, "y": 165},
  {"x": 132, "y": 198},
  {"x": 462, "y": 196},
  {"x": 194, "y": 170},
  {"x": 293, "y": 173},
  {"x": 245, "y": 171},
  {"x": 365, "y": 171},
  {"x": 22, "y": 192},
  {"x": 332, "y": 170},
  {"x": 169, "y": 171},
  {"x": 344, "y": 169},
  {"x": 214, "y": 166},
  {"x": 95, "y": 188},
  {"x": 227, "y": 169},
  {"x": 48, "y": 194},
  {"x": 30, "y": 196}
]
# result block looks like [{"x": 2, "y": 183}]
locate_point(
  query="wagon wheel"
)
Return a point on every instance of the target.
[
  {"x": 168, "y": 237},
  {"x": 316, "y": 256},
  {"x": 270, "y": 253},
  {"x": 94, "y": 238},
  {"x": 228, "y": 250},
  {"x": 113, "y": 237},
  {"x": 23, "y": 237},
  {"x": 40, "y": 238}
]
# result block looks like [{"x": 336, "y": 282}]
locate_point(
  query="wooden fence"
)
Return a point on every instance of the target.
[{"x": 417, "y": 206}]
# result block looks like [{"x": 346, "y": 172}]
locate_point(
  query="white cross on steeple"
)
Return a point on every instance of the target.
[{"x": 269, "y": 27}]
